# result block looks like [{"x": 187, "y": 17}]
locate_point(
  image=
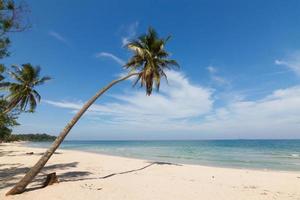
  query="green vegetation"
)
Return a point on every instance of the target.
[
  {"x": 20, "y": 95},
  {"x": 12, "y": 19},
  {"x": 150, "y": 59},
  {"x": 30, "y": 137},
  {"x": 6, "y": 121},
  {"x": 8, "y": 24},
  {"x": 21, "y": 92}
]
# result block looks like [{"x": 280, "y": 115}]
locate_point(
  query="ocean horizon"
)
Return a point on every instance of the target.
[{"x": 271, "y": 154}]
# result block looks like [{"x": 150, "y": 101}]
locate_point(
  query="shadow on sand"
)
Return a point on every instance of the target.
[{"x": 11, "y": 173}]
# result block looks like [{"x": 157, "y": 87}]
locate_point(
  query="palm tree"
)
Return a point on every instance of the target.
[
  {"x": 22, "y": 93},
  {"x": 150, "y": 59},
  {"x": 148, "y": 63},
  {"x": 2, "y": 83}
]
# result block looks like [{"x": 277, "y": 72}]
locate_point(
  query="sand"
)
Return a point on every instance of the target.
[{"x": 92, "y": 176}]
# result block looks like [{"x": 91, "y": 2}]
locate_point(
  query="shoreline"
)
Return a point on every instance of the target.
[
  {"x": 83, "y": 173},
  {"x": 176, "y": 163},
  {"x": 180, "y": 163}
]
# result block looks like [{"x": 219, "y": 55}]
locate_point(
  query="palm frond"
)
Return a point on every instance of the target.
[
  {"x": 42, "y": 80},
  {"x": 37, "y": 95},
  {"x": 150, "y": 59},
  {"x": 32, "y": 103},
  {"x": 4, "y": 85},
  {"x": 22, "y": 93},
  {"x": 16, "y": 76}
]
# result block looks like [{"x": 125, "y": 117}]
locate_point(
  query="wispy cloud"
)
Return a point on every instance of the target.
[
  {"x": 183, "y": 106},
  {"x": 130, "y": 32},
  {"x": 58, "y": 37},
  {"x": 111, "y": 56},
  {"x": 177, "y": 100},
  {"x": 273, "y": 116},
  {"x": 291, "y": 61},
  {"x": 213, "y": 71}
]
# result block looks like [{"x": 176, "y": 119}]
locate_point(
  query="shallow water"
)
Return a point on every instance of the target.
[{"x": 252, "y": 154}]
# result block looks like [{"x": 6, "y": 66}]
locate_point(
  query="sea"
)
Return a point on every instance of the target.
[{"x": 282, "y": 155}]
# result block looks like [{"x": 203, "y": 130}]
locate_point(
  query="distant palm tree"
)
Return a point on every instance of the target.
[
  {"x": 22, "y": 93},
  {"x": 3, "y": 84},
  {"x": 148, "y": 64}
]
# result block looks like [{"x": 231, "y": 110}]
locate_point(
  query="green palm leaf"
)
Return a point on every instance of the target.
[
  {"x": 150, "y": 59},
  {"x": 22, "y": 94}
]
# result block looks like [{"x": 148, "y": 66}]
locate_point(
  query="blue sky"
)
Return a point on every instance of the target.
[{"x": 239, "y": 77}]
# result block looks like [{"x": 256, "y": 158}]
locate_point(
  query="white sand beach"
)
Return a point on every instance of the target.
[{"x": 92, "y": 176}]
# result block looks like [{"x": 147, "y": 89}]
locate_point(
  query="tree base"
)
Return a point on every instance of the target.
[{"x": 51, "y": 179}]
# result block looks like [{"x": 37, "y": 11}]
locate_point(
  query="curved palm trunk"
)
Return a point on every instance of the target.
[{"x": 21, "y": 185}]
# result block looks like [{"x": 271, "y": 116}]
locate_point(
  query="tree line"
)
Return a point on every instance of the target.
[
  {"x": 38, "y": 137},
  {"x": 18, "y": 83}
]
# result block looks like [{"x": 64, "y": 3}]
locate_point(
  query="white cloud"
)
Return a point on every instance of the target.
[
  {"x": 65, "y": 104},
  {"x": 112, "y": 56},
  {"x": 58, "y": 37},
  {"x": 292, "y": 62},
  {"x": 177, "y": 100},
  {"x": 220, "y": 80},
  {"x": 213, "y": 71},
  {"x": 130, "y": 32},
  {"x": 187, "y": 108},
  {"x": 276, "y": 115},
  {"x": 125, "y": 40}
]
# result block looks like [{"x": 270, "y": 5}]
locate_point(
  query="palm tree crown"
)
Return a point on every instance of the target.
[
  {"x": 150, "y": 59},
  {"x": 22, "y": 93}
]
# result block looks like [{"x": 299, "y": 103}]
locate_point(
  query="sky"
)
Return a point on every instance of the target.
[{"x": 239, "y": 74}]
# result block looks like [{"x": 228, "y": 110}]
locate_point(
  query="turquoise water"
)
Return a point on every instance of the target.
[{"x": 253, "y": 154}]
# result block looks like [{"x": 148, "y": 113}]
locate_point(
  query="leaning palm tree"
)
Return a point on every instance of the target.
[
  {"x": 22, "y": 93},
  {"x": 148, "y": 63}
]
